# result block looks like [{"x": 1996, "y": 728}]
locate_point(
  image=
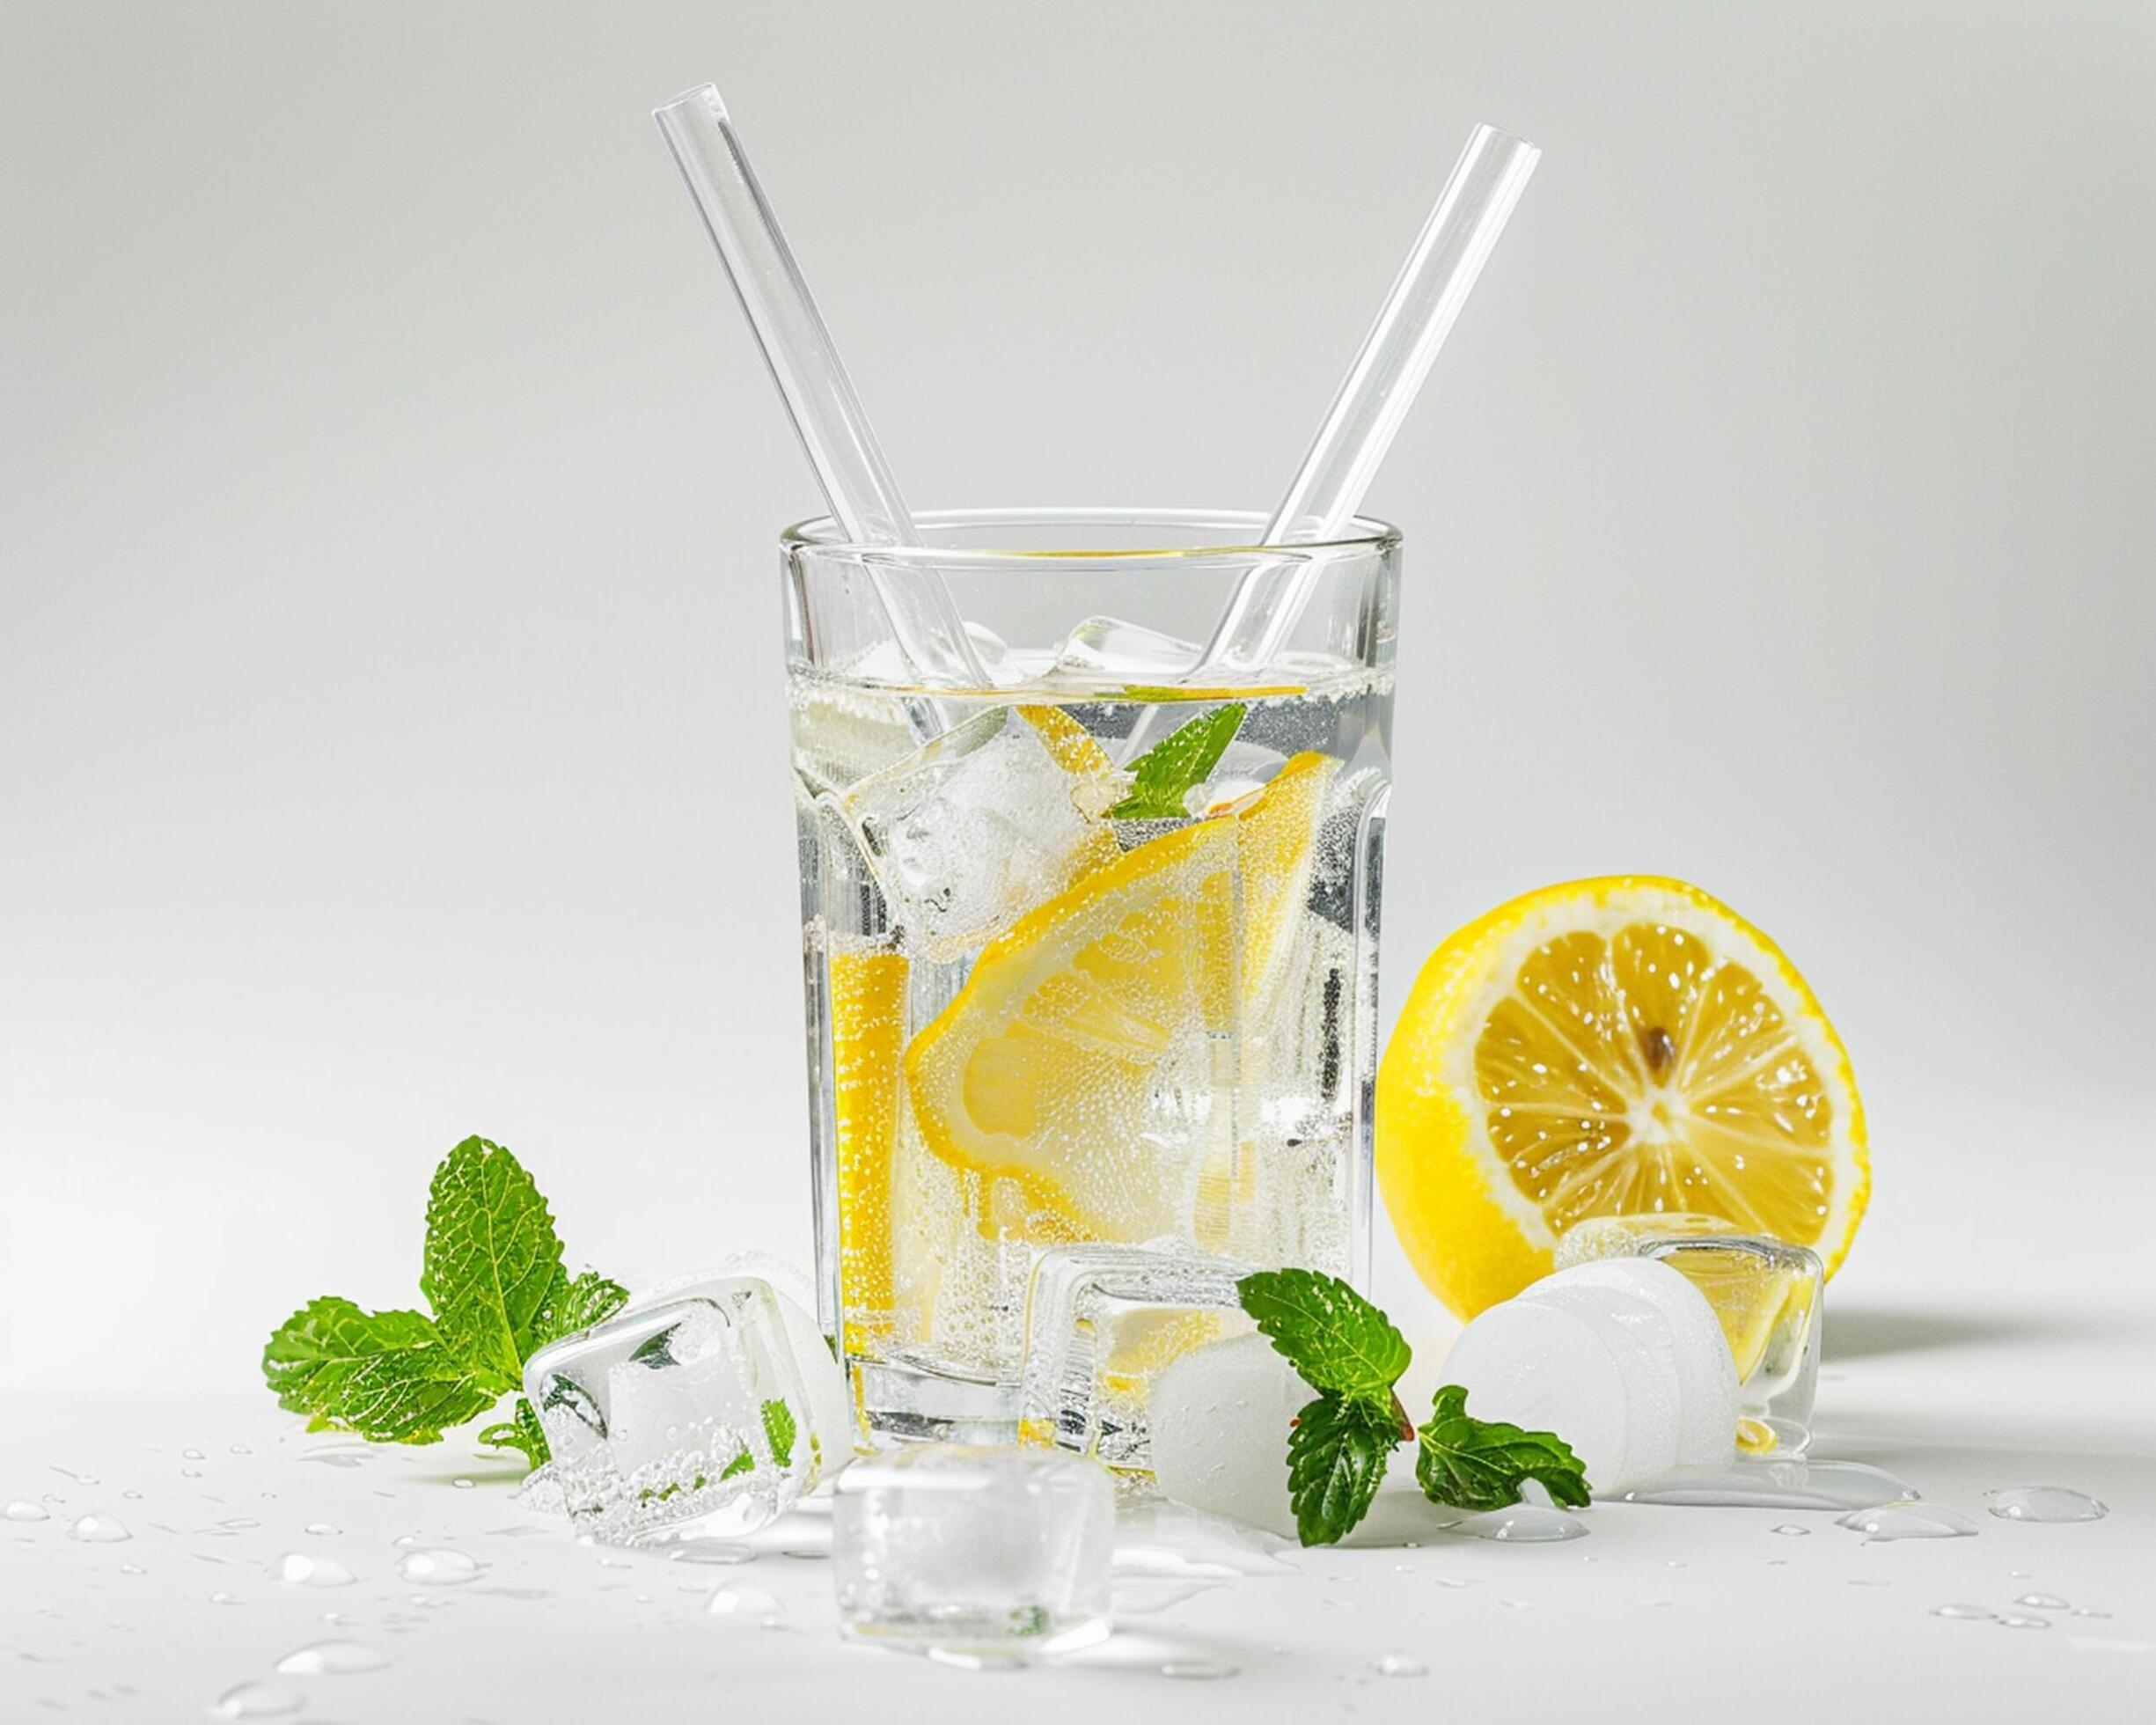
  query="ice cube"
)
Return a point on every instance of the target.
[
  {"x": 1545, "y": 1368},
  {"x": 980, "y": 1556},
  {"x": 1101, "y": 1322},
  {"x": 1109, "y": 650},
  {"x": 1767, "y": 1295},
  {"x": 1219, "y": 1419},
  {"x": 1706, "y": 1377},
  {"x": 970, "y": 832},
  {"x": 1643, "y": 1342},
  {"x": 707, "y": 1411}
]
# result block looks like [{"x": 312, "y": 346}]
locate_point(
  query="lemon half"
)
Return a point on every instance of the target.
[{"x": 1617, "y": 1047}]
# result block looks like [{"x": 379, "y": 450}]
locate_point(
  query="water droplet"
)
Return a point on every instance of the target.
[
  {"x": 79, "y": 1478},
  {"x": 615, "y": 1563},
  {"x": 136, "y": 1496},
  {"x": 426, "y": 1602},
  {"x": 1525, "y": 1523},
  {"x": 463, "y": 1483},
  {"x": 259, "y": 1700},
  {"x": 2045, "y": 1503},
  {"x": 99, "y": 1530},
  {"x": 518, "y": 1532},
  {"x": 522, "y": 1592},
  {"x": 332, "y": 1659},
  {"x": 322, "y": 1528},
  {"x": 239, "y": 1524},
  {"x": 241, "y": 1450},
  {"x": 2089, "y": 1611},
  {"x": 1200, "y": 1669},
  {"x": 700, "y": 1552},
  {"x": 1907, "y": 1521},
  {"x": 439, "y": 1567},
  {"x": 807, "y": 1553},
  {"x": 1516, "y": 1605},
  {"x": 1398, "y": 1665},
  {"x": 136, "y": 1569},
  {"x": 226, "y": 1600},
  {"x": 1453, "y": 1580},
  {"x": 22, "y": 1510},
  {"x": 190, "y": 1473},
  {"x": 739, "y": 1603},
  {"x": 1790, "y": 1530},
  {"x": 190, "y": 1454},
  {"x": 2042, "y": 1602},
  {"x": 294, "y": 1570},
  {"x": 2024, "y": 1622}
]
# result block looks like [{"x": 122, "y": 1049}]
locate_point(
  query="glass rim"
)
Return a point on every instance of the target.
[{"x": 818, "y": 535}]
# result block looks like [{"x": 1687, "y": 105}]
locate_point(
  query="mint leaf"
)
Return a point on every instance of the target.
[
  {"x": 1330, "y": 1333},
  {"x": 523, "y": 1433},
  {"x": 1165, "y": 772},
  {"x": 492, "y": 1259},
  {"x": 1479, "y": 1463},
  {"x": 1336, "y": 1457},
  {"x": 577, "y": 1302},
  {"x": 389, "y": 1376},
  {"x": 745, "y": 1463},
  {"x": 779, "y": 1429}
]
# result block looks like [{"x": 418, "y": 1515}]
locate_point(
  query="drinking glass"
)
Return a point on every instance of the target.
[{"x": 1090, "y": 947}]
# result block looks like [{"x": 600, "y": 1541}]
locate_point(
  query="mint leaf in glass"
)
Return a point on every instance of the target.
[
  {"x": 1474, "y": 1463},
  {"x": 1165, "y": 774},
  {"x": 779, "y": 1429}
]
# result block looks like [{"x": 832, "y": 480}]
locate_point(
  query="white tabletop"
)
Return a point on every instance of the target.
[{"x": 1960, "y": 1395}]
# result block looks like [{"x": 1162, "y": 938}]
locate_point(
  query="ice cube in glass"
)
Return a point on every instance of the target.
[
  {"x": 970, "y": 832},
  {"x": 1768, "y": 1293},
  {"x": 977, "y": 1555},
  {"x": 1100, "y": 1321},
  {"x": 697, "y": 1413}
]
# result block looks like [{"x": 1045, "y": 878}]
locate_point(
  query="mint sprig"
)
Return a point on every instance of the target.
[
  {"x": 1165, "y": 774},
  {"x": 1480, "y": 1463},
  {"x": 493, "y": 1274},
  {"x": 1339, "y": 1445}
]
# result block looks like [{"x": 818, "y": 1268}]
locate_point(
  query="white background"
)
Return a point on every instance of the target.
[
  {"x": 391, "y": 744},
  {"x": 391, "y": 740}
]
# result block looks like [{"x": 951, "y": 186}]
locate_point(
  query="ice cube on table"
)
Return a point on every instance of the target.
[
  {"x": 1107, "y": 650},
  {"x": 1767, "y": 1295},
  {"x": 999, "y": 814},
  {"x": 1644, "y": 1343},
  {"x": 1218, "y": 1422},
  {"x": 976, "y": 1555},
  {"x": 706, "y": 1411},
  {"x": 1545, "y": 1368},
  {"x": 1706, "y": 1376},
  {"x": 1102, "y": 1322}
]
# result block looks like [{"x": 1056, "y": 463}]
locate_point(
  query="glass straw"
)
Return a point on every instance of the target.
[
  {"x": 1374, "y": 396},
  {"x": 850, "y": 463}
]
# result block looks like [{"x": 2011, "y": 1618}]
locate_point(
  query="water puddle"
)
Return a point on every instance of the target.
[
  {"x": 1790, "y": 1484},
  {"x": 1907, "y": 1521},
  {"x": 2045, "y": 1503},
  {"x": 332, "y": 1659}
]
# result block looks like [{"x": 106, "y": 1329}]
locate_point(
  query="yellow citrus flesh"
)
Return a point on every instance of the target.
[
  {"x": 868, "y": 1029},
  {"x": 1044, "y": 1070},
  {"x": 1617, "y": 1047}
]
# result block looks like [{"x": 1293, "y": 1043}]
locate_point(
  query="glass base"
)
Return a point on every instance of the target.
[{"x": 899, "y": 1402}]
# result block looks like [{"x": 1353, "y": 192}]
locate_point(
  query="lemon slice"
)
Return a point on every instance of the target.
[
  {"x": 868, "y": 1029},
  {"x": 1083, "y": 1059},
  {"x": 1617, "y": 1047}
]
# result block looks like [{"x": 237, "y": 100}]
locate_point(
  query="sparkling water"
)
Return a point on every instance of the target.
[{"x": 1039, "y": 1017}]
